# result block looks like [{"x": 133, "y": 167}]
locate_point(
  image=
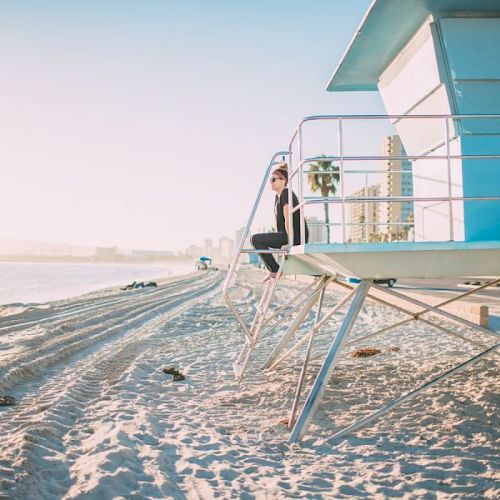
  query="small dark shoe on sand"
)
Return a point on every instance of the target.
[
  {"x": 7, "y": 401},
  {"x": 178, "y": 376},
  {"x": 170, "y": 370}
]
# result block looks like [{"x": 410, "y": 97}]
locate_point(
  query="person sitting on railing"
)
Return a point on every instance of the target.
[{"x": 266, "y": 241}]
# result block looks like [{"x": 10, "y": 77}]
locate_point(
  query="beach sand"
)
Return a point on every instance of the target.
[{"x": 97, "y": 418}]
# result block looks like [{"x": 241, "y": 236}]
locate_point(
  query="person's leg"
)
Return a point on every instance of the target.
[{"x": 266, "y": 241}]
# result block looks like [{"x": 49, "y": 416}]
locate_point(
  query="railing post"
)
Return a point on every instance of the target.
[
  {"x": 290, "y": 196},
  {"x": 301, "y": 209},
  {"x": 341, "y": 177},
  {"x": 366, "y": 208},
  {"x": 290, "y": 191},
  {"x": 448, "y": 162},
  {"x": 301, "y": 194}
]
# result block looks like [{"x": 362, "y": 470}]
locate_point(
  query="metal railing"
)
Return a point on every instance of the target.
[{"x": 297, "y": 169}]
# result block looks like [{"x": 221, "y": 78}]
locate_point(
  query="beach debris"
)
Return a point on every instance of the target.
[
  {"x": 285, "y": 422},
  {"x": 140, "y": 284},
  {"x": 393, "y": 349},
  {"x": 365, "y": 352},
  {"x": 7, "y": 400},
  {"x": 171, "y": 370}
]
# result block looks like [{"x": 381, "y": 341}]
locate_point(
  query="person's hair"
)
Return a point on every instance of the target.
[{"x": 282, "y": 170}]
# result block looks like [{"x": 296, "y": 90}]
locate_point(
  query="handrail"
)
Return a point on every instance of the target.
[
  {"x": 397, "y": 158},
  {"x": 396, "y": 199},
  {"x": 313, "y": 200},
  {"x": 450, "y": 135},
  {"x": 385, "y": 117}
]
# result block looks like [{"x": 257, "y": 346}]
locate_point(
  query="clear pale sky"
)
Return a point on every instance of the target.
[{"x": 149, "y": 123}]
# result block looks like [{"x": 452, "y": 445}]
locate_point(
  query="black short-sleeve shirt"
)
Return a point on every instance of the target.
[{"x": 280, "y": 202}]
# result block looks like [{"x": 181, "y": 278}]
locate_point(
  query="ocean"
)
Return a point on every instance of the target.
[{"x": 36, "y": 282}]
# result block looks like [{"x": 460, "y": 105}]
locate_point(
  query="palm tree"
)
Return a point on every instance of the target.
[{"x": 324, "y": 178}]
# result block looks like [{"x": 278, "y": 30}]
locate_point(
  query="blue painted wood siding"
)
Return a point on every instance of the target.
[{"x": 472, "y": 50}]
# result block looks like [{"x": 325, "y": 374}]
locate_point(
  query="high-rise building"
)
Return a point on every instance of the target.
[
  {"x": 396, "y": 180},
  {"x": 317, "y": 232},
  {"x": 209, "y": 248},
  {"x": 244, "y": 258},
  {"x": 226, "y": 247},
  {"x": 238, "y": 234},
  {"x": 363, "y": 213},
  {"x": 194, "y": 251}
]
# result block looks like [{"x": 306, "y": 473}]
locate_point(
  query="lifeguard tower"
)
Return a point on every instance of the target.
[{"x": 436, "y": 65}]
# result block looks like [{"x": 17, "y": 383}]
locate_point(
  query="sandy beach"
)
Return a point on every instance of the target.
[{"x": 97, "y": 418}]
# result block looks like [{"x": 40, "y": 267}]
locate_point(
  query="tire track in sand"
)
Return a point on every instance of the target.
[
  {"x": 58, "y": 311},
  {"x": 80, "y": 332},
  {"x": 34, "y": 431}
]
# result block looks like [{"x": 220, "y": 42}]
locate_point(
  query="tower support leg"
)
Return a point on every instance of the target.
[
  {"x": 300, "y": 383},
  {"x": 323, "y": 377}
]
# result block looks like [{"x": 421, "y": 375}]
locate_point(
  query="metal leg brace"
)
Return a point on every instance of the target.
[
  {"x": 330, "y": 361},
  {"x": 293, "y": 327}
]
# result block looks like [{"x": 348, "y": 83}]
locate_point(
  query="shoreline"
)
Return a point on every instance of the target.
[{"x": 41, "y": 283}]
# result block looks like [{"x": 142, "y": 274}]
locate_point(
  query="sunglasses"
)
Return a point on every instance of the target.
[{"x": 274, "y": 179}]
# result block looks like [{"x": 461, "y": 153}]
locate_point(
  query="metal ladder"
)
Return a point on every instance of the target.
[
  {"x": 252, "y": 332},
  {"x": 258, "y": 322}
]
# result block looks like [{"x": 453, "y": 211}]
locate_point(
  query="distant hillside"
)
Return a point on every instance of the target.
[{"x": 22, "y": 248}]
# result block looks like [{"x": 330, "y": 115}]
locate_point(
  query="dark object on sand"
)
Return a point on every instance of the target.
[
  {"x": 386, "y": 281},
  {"x": 178, "y": 376},
  {"x": 139, "y": 284},
  {"x": 170, "y": 370},
  {"x": 7, "y": 400},
  {"x": 365, "y": 352},
  {"x": 129, "y": 287}
]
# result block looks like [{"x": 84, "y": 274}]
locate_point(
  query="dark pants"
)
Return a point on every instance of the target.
[{"x": 266, "y": 241}]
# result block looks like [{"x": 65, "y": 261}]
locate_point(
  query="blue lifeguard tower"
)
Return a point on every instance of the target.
[{"x": 436, "y": 65}]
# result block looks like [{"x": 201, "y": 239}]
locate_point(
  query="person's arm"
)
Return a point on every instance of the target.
[
  {"x": 285, "y": 205},
  {"x": 286, "y": 215}
]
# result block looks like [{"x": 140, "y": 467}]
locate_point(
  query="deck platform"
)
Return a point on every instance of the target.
[{"x": 397, "y": 259}]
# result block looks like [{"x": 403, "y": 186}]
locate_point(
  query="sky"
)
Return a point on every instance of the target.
[{"x": 150, "y": 123}]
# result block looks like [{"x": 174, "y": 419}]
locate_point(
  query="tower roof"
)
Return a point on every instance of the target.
[{"x": 385, "y": 29}]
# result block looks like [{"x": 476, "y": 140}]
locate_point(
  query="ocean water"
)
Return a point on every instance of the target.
[{"x": 34, "y": 282}]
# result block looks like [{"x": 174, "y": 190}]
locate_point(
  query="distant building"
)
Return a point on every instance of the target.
[
  {"x": 106, "y": 252},
  {"x": 209, "y": 248},
  {"x": 317, "y": 233},
  {"x": 365, "y": 213},
  {"x": 237, "y": 238},
  {"x": 396, "y": 180},
  {"x": 226, "y": 247},
  {"x": 194, "y": 251},
  {"x": 238, "y": 234},
  {"x": 150, "y": 254}
]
